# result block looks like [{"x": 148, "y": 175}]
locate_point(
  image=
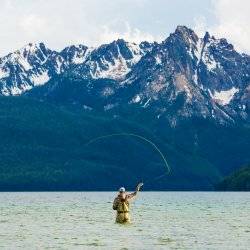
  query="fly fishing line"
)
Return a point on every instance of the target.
[{"x": 139, "y": 137}]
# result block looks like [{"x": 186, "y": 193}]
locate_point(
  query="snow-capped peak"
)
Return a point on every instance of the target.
[
  {"x": 114, "y": 60},
  {"x": 204, "y": 74},
  {"x": 24, "y": 68},
  {"x": 76, "y": 54}
]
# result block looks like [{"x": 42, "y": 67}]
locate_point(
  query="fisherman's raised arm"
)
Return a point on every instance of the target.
[{"x": 132, "y": 195}]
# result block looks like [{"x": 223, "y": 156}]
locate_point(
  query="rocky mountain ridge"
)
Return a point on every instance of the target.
[{"x": 181, "y": 77}]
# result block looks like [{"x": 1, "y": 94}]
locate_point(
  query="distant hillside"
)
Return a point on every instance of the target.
[
  {"x": 238, "y": 181},
  {"x": 42, "y": 147}
]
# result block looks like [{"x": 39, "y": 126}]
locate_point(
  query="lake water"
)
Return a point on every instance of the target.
[{"x": 161, "y": 220}]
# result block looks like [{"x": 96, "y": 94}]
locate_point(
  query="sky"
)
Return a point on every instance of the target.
[{"x": 59, "y": 23}]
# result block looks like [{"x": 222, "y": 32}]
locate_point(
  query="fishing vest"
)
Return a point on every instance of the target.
[{"x": 122, "y": 206}]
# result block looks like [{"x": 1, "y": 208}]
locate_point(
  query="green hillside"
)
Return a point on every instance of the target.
[
  {"x": 238, "y": 181},
  {"x": 43, "y": 147}
]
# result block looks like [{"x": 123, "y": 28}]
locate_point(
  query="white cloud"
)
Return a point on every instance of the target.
[
  {"x": 129, "y": 34},
  {"x": 31, "y": 23},
  {"x": 232, "y": 22},
  {"x": 59, "y": 23},
  {"x": 200, "y": 25}
]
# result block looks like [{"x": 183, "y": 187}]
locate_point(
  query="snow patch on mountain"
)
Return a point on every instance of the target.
[
  {"x": 224, "y": 97},
  {"x": 18, "y": 90},
  {"x": 136, "y": 99},
  {"x": 40, "y": 79},
  {"x": 24, "y": 63},
  {"x": 109, "y": 106},
  {"x": 4, "y": 73},
  {"x": 115, "y": 70},
  {"x": 198, "y": 50},
  {"x": 108, "y": 91},
  {"x": 59, "y": 65},
  {"x": 81, "y": 55},
  {"x": 211, "y": 63},
  {"x": 146, "y": 104},
  {"x": 137, "y": 52},
  {"x": 15, "y": 91},
  {"x": 158, "y": 60}
]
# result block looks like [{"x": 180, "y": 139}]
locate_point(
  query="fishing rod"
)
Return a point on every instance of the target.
[{"x": 139, "y": 137}]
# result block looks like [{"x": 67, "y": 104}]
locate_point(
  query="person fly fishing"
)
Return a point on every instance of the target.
[{"x": 121, "y": 204}]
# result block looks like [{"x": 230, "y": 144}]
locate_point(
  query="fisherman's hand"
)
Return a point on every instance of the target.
[{"x": 139, "y": 186}]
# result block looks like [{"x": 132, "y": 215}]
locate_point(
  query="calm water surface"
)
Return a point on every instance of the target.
[{"x": 161, "y": 220}]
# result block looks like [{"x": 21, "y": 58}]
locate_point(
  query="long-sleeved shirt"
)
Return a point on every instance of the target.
[{"x": 118, "y": 199}]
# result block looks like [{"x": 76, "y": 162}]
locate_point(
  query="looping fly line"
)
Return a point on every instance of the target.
[{"x": 137, "y": 136}]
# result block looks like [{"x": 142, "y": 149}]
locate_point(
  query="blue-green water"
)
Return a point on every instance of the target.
[{"x": 161, "y": 220}]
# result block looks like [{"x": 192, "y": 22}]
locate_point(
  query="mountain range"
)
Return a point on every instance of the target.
[{"x": 191, "y": 95}]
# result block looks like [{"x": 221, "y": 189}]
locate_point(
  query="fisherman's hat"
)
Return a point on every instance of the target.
[{"x": 122, "y": 189}]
